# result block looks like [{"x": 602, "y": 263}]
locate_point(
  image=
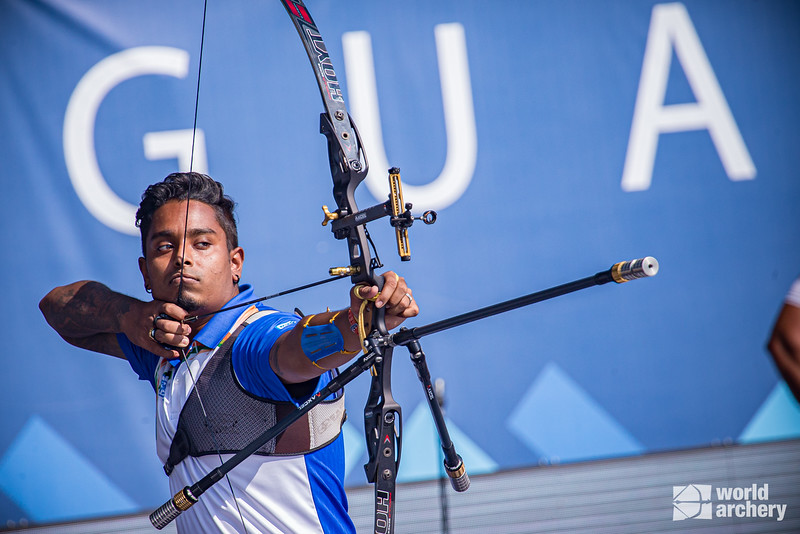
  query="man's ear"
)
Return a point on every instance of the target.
[
  {"x": 237, "y": 262},
  {"x": 145, "y": 275}
]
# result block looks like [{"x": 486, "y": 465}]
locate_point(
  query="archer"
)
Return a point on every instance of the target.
[{"x": 224, "y": 378}]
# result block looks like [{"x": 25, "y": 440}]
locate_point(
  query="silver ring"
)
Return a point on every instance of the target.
[
  {"x": 152, "y": 334},
  {"x": 410, "y": 298}
]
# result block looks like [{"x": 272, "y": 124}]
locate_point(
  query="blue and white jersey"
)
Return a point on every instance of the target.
[{"x": 275, "y": 494}]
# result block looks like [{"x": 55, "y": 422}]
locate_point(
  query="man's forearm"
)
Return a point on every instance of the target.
[
  {"x": 289, "y": 361},
  {"x": 86, "y": 308}
]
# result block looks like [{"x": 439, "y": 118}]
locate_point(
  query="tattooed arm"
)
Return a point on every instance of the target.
[{"x": 89, "y": 315}]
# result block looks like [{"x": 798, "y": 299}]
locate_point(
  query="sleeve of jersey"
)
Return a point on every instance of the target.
[
  {"x": 142, "y": 361},
  {"x": 251, "y": 356},
  {"x": 793, "y": 297}
]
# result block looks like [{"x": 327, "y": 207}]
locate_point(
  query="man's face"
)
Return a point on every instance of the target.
[{"x": 209, "y": 268}]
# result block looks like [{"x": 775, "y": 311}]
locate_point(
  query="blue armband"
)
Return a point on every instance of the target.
[{"x": 321, "y": 340}]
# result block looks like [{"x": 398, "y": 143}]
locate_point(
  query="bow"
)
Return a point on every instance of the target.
[{"x": 349, "y": 166}]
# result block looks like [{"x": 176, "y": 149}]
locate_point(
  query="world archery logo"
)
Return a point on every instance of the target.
[{"x": 692, "y": 501}]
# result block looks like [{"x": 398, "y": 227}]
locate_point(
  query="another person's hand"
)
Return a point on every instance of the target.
[{"x": 784, "y": 344}]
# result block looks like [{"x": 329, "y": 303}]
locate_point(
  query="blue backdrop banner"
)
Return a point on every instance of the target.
[{"x": 554, "y": 139}]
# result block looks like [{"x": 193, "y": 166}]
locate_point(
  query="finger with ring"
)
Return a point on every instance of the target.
[
  {"x": 410, "y": 298},
  {"x": 152, "y": 334}
]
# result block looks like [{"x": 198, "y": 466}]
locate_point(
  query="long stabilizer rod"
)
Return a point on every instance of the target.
[{"x": 621, "y": 272}]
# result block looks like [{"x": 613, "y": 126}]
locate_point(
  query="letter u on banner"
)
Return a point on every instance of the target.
[{"x": 459, "y": 117}]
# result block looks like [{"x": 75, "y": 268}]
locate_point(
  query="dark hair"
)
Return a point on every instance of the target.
[{"x": 196, "y": 186}]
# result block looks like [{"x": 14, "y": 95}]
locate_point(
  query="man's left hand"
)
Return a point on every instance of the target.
[{"x": 395, "y": 297}]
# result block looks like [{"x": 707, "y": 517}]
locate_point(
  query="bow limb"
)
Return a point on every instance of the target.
[{"x": 348, "y": 162}]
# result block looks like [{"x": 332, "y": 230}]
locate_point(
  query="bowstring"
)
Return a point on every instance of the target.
[
  {"x": 194, "y": 138},
  {"x": 182, "y": 351}
]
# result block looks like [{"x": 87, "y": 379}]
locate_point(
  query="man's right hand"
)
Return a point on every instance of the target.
[
  {"x": 88, "y": 315},
  {"x": 154, "y": 325}
]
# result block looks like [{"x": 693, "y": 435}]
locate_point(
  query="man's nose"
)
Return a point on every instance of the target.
[{"x": 183, "y": 255}]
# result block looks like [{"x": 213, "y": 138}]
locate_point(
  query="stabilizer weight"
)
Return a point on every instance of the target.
[{"x": 183, "y": 500}]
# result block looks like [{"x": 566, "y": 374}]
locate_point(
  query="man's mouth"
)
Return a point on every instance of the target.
[{"x": 186, "y": 278}]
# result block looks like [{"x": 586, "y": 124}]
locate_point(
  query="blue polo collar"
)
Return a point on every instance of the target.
[{"x": 221, "y": 323}]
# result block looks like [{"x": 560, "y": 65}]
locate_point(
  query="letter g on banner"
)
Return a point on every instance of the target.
[{"x": 79, "y": 123}]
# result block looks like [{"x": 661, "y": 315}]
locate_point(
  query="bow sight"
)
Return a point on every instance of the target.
[{"x": 343, "y": 223}]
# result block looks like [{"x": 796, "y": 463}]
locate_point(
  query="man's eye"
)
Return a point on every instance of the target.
[{"x": 164, "y": 247}]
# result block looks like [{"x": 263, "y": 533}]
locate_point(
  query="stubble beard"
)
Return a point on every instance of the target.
[{"x": 187, "y": 302}]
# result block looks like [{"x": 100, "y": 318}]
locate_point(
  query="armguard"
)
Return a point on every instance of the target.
[{"x": 319, "y": 341}]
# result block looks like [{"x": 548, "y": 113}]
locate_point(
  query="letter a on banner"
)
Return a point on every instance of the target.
[{"x": 670, "y": 26}]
